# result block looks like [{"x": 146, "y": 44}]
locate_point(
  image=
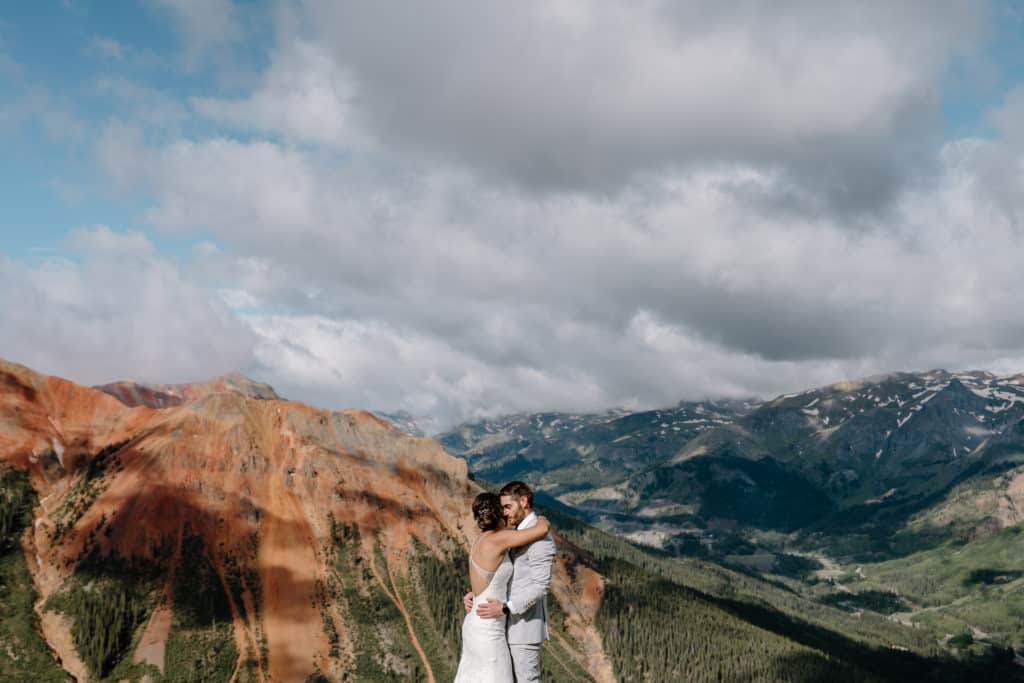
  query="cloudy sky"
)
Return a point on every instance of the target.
[{"x": 460, "y": 209}]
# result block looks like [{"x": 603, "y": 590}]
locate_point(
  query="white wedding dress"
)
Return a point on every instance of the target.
[{"x": 485, "y": 654}]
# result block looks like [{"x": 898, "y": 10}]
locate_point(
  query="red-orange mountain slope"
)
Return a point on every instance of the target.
[{"x": 305, "y": 516}]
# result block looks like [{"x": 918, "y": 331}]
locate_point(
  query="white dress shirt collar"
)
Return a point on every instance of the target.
[{"x": 528, "y": 521}]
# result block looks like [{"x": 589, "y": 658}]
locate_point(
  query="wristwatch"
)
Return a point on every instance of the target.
[{"x": 505, "y": 610}]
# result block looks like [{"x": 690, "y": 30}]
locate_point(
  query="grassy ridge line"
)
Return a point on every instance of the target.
[{"x": 24, "y": 655}]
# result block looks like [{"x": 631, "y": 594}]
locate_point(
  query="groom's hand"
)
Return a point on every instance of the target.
[
  {"x": 467, "y": 600},
  {"x": 490, "y": 609}
]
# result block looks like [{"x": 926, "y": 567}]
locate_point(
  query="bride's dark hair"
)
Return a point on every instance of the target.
[{"x": 487, "y": 511}]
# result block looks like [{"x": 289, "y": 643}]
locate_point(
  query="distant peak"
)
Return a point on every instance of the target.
[{"x": 133, "y": 393}]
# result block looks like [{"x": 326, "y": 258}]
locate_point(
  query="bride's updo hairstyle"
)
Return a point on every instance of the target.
[{"x": 487, "y": 511}]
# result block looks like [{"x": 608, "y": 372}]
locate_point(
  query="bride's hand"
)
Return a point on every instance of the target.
[{"x": 543, "y": 522}]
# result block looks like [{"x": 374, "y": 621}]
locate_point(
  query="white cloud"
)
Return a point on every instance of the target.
[
  {"x": 142, "y": 104},
  {"x": 440, "y": 291},
  {"x": 101, "y": 240},
  {"x": 116, "y": 310},
  {"x": 206, "y": 26},
  {"x": 118, "y": 154},
  {"x": 108, "y": 47},
  {"x": 582, "y": 95},
  {"x": 241, "y": 188},
  {"x": 228, "y": 185},
  {"x": 305, "y": 96},
  {"x": 379, "y": 366},
  {"x": 741, "y": 198},
  {"x": 207, "y": 21},
  {"x": 37, "y": 106}
]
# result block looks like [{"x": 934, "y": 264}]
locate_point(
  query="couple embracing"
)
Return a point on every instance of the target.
[{"x": 509, "y": 572}]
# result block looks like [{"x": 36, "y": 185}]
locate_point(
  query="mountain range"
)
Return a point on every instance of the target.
[
  {"x": 838, "y": 457},
  {"x": 216, "y": 532}
]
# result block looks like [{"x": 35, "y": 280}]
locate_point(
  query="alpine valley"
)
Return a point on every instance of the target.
[
  {"x": 900, "y": 495},
  {"x": 217, "y": 532}
]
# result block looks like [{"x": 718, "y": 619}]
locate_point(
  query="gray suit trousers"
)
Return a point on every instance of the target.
[{"x": 526, "y": 662}]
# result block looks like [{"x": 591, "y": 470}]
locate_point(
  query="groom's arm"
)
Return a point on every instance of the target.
[{"x": 541, "y": 555}]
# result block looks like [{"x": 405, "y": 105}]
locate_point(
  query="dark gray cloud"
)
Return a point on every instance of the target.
[{"x": 578, "y": 95}]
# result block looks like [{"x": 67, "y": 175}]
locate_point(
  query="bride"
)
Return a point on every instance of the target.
[{"x": 485, "y": 654}]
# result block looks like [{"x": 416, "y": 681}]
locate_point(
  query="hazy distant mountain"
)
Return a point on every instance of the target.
[
  {"x": 562, "y": 452},
  {"x": 408, "y": 423}
]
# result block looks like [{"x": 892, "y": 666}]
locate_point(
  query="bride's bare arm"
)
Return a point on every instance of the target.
[{"x": 515, "y": 538}]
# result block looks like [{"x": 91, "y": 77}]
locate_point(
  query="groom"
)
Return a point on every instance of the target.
[{"x": 527, "y": 625}]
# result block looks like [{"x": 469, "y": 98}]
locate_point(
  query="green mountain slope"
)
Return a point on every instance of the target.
[
  {"x": 974, "y": 588},
  {"x": 725, "y": 625},
  {"x": 24, "y": 655}
]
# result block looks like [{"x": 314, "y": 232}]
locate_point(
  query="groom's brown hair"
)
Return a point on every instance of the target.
[{"x": 518, "y": 489}]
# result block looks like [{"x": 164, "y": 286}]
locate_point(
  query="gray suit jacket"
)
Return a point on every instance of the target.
[{"x": 527, "y": 596}]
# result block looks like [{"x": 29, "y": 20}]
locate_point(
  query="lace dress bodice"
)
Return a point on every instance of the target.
[{"x": 500, "y": 579}]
